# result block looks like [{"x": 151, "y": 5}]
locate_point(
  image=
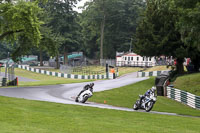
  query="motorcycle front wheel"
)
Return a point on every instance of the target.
[
  {"x": 149, "y": 106},
  {"x": 135, "y": 106},
  {"x": 76, "y": 100},
  {"x": 85, "y": 98}
]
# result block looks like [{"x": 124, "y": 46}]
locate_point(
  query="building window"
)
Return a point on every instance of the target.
[
  {"x": 149, "y": 59},
  {"x": 131, "y": 58},
  {"x": 125, "y": 58},
  {"x": 143, "y": 58},
  {"x": 128, "y": 58},
  {"x": 137, "y": 58}
]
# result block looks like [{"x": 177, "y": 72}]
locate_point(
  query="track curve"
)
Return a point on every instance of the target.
[{"x": 66, "y": 93}]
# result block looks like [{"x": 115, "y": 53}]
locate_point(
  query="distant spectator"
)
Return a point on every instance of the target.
[{"x": 175, "y": 62}]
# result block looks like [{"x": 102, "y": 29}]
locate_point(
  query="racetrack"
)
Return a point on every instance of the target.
[{"x": 66, "y": 93}]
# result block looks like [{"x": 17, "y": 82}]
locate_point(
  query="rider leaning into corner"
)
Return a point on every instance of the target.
[
  {"x": 87, "y": 87},
  {"x": 153, "y": 89}
]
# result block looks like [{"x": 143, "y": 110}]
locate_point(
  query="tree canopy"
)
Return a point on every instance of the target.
[
  {"x": 166, "y": 30},
  {"x": 120, "y": 18},
  {"x": 189, "y": 27},
  {"x": 18, "y": 21}
]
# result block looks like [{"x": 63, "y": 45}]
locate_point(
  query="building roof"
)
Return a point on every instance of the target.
[
  {"x": 127, "y": 54},
  {"x": 131, "y": 54}
]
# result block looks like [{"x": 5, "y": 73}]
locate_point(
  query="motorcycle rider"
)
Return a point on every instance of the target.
[
  {"x": 86, "y": 87},
  {"x": 153, "y": 89}
]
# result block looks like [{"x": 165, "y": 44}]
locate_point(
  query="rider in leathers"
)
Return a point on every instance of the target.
[
  {"x": 153, "y": 89},
  {"x": 86, "y": 87}
]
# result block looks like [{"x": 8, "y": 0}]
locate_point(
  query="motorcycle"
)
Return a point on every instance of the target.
[
  {"x": 83, "y": 97},
  {"x": 146, "y": 103}
]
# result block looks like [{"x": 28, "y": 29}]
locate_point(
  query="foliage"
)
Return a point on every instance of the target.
[
  {"x": 20, "y": 20},
  {"x": 120, "y": 25},
  {"x": 63, "y": 25},
  {"x": 157, "y": 33},
  {"x": 189, "y": 28},
  {"x": 170, "y": 28},
  {"x": 4, "y": 48}
]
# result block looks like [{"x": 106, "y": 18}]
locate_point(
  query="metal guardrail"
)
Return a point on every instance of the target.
[{"x": 184, "y": 97}]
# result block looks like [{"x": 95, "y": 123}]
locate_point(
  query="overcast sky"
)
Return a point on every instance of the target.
[{"x": 81, "y": 3}]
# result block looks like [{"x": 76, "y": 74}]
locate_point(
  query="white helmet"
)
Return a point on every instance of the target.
[{"x": 153, "y": 89}]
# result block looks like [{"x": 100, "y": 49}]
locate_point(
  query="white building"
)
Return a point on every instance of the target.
[{"x": 133, "y": 59}]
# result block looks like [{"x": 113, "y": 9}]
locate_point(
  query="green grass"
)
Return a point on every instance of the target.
[
  {"x": 25, "y": 116},
  {"x": 100, "y": 70},
  {"x": 44, "y": 79},
  {"x": 127, "y": 95},
  {"x": 85, "y": 70},
  {"x": 189, "y": 83},
  {"x": 157, "y": 68},
  {"x": 51, "y": 80},
  {"x": 126, "y": 70}
]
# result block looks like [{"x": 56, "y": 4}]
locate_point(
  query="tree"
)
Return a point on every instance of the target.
[
  {"x": 19, "y": 23},
  {"x": 108, "y": 26},
  {"x": 189, "y": 27},
  {"x": 5, "y": 48},
  {"x": 157, "y": 33},
  {"x": 63, "y": 24}
]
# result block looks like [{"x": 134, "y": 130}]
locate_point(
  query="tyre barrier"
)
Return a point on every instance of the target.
[
  {"x": 63, "y": 75},
  {"x": 148, "y": 74},
  {"x": 1, "y": 79},
  {"x": 184, "y": 97}
]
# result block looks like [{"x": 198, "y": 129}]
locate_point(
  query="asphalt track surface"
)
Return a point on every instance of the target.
[{"x": 66, "y": 93}]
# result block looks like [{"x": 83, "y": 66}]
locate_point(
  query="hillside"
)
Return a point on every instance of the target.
[{"x": 189, "y": 83}]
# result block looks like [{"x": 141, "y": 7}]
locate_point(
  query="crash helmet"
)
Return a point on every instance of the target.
[
  {"x": 91, "y": 85},
  {"x": 153, "y": 89}
]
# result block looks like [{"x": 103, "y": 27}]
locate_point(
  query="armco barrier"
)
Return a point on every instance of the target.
[
  {"x": 148, "y": 74},
  {"x": 184, "y": 97},
  {"x": 63, "y": 75},
  {"x": 1, "y": 80}
]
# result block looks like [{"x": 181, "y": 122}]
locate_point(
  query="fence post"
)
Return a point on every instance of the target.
[{"x": 107, "y": 76}]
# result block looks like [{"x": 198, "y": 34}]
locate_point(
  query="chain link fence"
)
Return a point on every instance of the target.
[{"x": 83, "y": 70}]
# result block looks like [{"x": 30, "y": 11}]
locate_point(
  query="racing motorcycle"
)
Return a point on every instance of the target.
[
  {"x": 83, "y": 97},
  {"x": 146, "y": 103}
]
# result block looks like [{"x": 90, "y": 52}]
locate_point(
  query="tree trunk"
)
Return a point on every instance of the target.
[
  {"x": 65, "y": 56},
  {"x": 196, "y": 63},
  {"x": 102, "y": 32},
  {"x": 41, "y": 58},
  {"x": 179, "y": 66},
  {"x": 57, "y": 62}
]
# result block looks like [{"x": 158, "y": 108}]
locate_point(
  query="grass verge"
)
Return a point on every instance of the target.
[
  {"x": 25, "y": 116},
  {"x": 157, "y": 68},
  {"x": 126, "y": 70},
  {"x": 101, "y": 69},
  {"x": 44, "y": 79},
  {"x": 127, "y": 95},
  {"x": 189, "y": 83}
]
